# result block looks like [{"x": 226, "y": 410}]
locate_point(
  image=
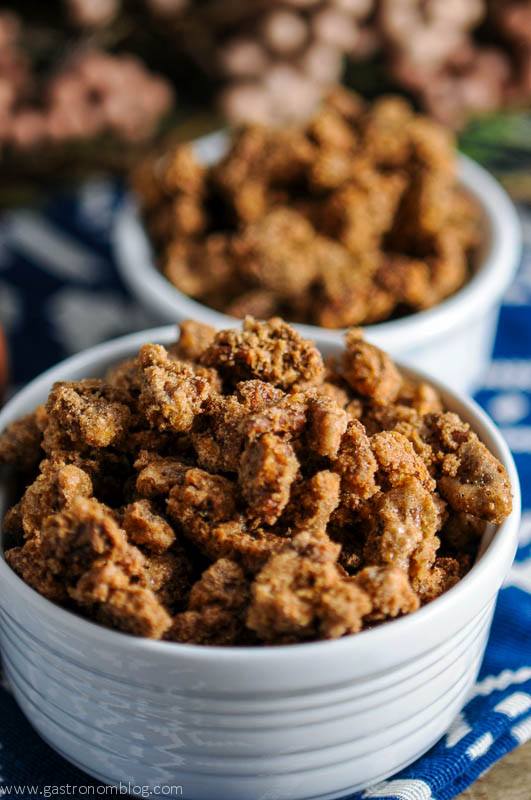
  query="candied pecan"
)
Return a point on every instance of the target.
[
  {"x": 205, "y": 507},
  {"x": 345, "y": 102},
  {"x": 172, "y": 394},
  {"x": 422, "y": 397},
  {"x": 230, "y": 419},
  {"x": 105, "y": 590},
  {"x": 55, "y": 488},
  {"x": 398, "y": 461},
  {"x": 186, "y": 216},
  {"x": 327, "y": 422},
  {"x": 462, "y": 532},
  {"x": 169, "y": 575},
  {"x": 194, "y": 338},
  {"x": 405, "y": 521},
  {"x": 445, "y": 573},
  {"x": 215, "y": 608},
  {"x": 127, "y": 377},
  {"x": 267, "y": 470},
  {"x": 476, "y": 483},
  {"x": 446, "y": 431},
  {"x": 389, "y": 590},
  {"x": 258, "y": 395},
  {"x": 329, "y": 129},
  {"x": 28, "y": 562},
  {"x": 433, "y": 146},
  {"x": 408, "y": 280},
  {"x": 258, "y": 303},
  {"x": 199, "y": 268},
  {"x": 356, "y": 465},
  {"x": 386, "y": 131},
  {"x": 219, "y": 447},
  {"x": 286, "y": 418},
  {"x": 147, "y": 528},
  {"x": 86, "y": 531},
  {"x": 20, "y": 443},
  {"x": 369, "y": 371},
  {"x": 12, "y": 524},
  {"x": 180, "y": 171},
  {"x": 312, "y": 542},
  {"x": 334, "y": 391},
  {"x": 276, "y": 252},
  {"x": 346, "y": 293},
  {"x": 313, "y": 501},
  {"x": 271, "y": 351},
  {"x": 330, "y": 169},
  {"x": 157, "y": 474},
  {"x": 295, "y": 598},
  {"x": 201, "y": 497},
  {"x": 86, "y": 413}
]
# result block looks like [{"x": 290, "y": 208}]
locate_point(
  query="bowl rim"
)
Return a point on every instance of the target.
[
  {"x": 500, "y": 549},
  {"x": 501, "y": 255}
]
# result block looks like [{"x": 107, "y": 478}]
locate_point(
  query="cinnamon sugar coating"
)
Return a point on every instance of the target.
[
  {"x": 232, "y": 489},
  {"x": 352, "y": 219}
]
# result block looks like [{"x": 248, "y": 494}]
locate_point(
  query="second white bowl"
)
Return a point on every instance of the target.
[{"x": 452, "y": 341}]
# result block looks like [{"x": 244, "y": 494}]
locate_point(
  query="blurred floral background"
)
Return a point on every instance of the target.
[{"x": 85, "y": 85}]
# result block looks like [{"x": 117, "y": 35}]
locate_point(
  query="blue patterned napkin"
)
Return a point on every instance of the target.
[{"x": 60, "y": 293}]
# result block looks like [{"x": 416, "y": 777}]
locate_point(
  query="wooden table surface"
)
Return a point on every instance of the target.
[{"x": 510, "y": 779}]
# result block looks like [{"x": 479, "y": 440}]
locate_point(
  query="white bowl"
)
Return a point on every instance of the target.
[
  {"x": 452, "y": 340},
  {"x": 287, "y": 722}
]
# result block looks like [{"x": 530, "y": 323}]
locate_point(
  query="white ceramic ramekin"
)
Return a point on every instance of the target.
[
  {"x": 451, "y": 341},
  {"x": 314, "y": 720}
]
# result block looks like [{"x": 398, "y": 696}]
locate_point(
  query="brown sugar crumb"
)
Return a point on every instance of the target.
[
  {"x": 354, "y": 218},
  {"x": 233, "y": 490},
  {"x": 270, "y": 351}
]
